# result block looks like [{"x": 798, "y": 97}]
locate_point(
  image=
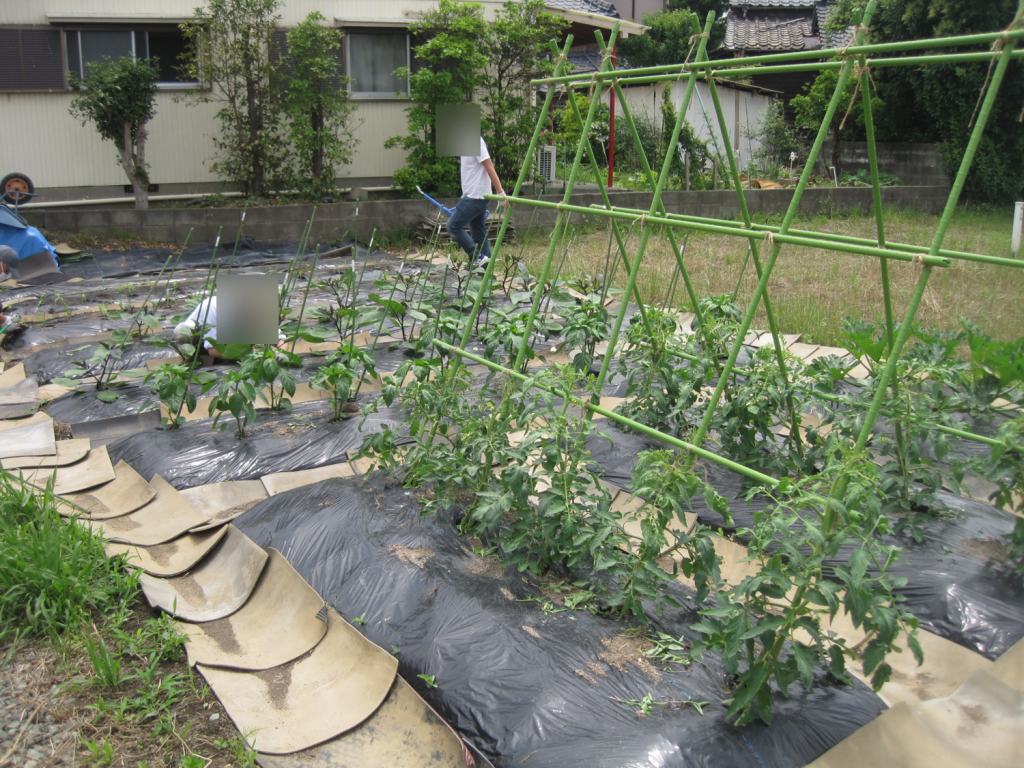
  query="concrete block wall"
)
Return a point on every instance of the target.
[
  {"x": 913, "y": 164},
  {"x": 336, "y": 221}
]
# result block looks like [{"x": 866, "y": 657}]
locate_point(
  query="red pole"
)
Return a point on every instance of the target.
[{"x": 611, "y": 128}]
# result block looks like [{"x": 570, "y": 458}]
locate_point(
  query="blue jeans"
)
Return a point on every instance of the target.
[{"x": 473, "y": 213}]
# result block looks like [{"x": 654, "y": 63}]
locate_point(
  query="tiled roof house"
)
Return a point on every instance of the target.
[{"x": 759, "y": 27}]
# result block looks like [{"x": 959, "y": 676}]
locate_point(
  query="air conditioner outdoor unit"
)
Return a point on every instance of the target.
[{"x": 546, "y": 163}]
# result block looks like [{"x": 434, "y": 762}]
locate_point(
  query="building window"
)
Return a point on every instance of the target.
[
  {"x": 165, "y": 45},
  {"x": 373, "y": 57},
  {"x": 32, "y": 59}
]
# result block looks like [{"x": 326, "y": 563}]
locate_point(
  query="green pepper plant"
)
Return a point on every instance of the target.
[{"x": 171, "y": 384}]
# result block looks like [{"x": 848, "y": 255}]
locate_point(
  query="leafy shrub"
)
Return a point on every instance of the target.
[
  {"x": 451, "y": 66},
  {"x": 119, "y": 97},
  {"x": 232, "y": 47},
  {"x": 315, "y": 99}
]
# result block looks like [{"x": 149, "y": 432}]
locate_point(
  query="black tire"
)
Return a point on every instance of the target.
[{"x": 15, "y": 182}]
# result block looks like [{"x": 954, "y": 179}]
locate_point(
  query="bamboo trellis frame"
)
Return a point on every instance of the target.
[{"x": 853, "y": 61}]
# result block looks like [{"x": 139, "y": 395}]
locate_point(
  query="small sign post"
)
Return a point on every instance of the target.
[{"x": 1018, "y": 225}]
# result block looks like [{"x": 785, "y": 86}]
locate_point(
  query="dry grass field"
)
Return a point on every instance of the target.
[{"x": 813, "y": 290}]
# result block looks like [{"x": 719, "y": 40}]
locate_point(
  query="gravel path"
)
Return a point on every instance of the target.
[{"x": 36, "y": 730}]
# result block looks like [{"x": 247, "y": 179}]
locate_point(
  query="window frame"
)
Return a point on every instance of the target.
[
  {"x": 378, "y": 30},
  {"x": 63, "y": 57},
  {"x": 133, "y": 29}
]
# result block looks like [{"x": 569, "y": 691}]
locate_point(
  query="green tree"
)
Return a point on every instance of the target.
[
  {"x": 570, "y": 129},
  {"x": 936, "y": 104},
  {"x": 666, "y": 42},
  {"x": 317, "y": 107},
  {"x": 119, "y": 98},
  {"x": 231, "y": 51},
  {"x": 702, "y": 8},
  {"x": 847, "y": 122},
  {"x": 516, "y": 48},
  {"x": 451, "y": 67},
  {"x": 670, "y": 37}
]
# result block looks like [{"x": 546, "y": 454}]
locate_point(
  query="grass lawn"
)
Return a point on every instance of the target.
[{"x": 813, "y": 290}]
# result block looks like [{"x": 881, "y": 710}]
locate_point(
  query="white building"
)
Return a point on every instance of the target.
[{"x": 41, "y": 39}]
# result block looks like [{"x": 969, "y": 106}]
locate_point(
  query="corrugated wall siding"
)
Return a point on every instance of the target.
[
  {"x": 743, "y": 111},
  {"x": 44, "y": 141}
]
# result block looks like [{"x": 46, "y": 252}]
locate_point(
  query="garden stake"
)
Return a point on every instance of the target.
[
  {"x": 167, "y": 288},
  {"x": 720, "y": 68},
  {"x": 607, "y": 201},
  {"x": 560, "y": 220},
  {"x": 803, "y": 238},
  {"x": 238, "y": 236},
  {"x": 743, "y": 269},
  {"x": 605, "y": 285},
  {"x": 649, "y": 175},
  {"x": 305, "y": 294},
  {"x": 883, "y": 263},
  {"x": 391, "y": 296}
]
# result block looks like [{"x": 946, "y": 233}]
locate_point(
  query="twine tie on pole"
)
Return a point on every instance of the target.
[
  {"x": 843, "y": 52},
  {"x": 858, "y": 73},
  {"x": 919, "y": 261},
  {"x": 694, "y": 40},
  {"x": 769, "y": 238},
  {"x": 997, "y": 48}
]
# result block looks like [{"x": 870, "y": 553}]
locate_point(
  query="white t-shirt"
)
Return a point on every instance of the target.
[
  {"x": 194, "y": 320},
  {"x": 475, "y": 181}
]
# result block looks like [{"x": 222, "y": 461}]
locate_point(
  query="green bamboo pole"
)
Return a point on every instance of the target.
[
  {"x": 996, "y": 261},
  {"x": 645, "y": 231},
  {"x": 818, "y": 66},
  {"x": 523, "y": 171},
  {"x": 694, "y": 223},
  {"x": 794, "y": 433},
  {"x": 794, "y": 206},
  {"x": 939, "y": 427},
  {"x": 876, "y": 194},
  {"x": 616, "y": 417},
  {"x": 883, "y": 263},
  {"x": 238, "y": 236},
  {"x": 560, "y": 219},
  {"x": 305, "y": 295},
  {"x": 746, "y": 62}
]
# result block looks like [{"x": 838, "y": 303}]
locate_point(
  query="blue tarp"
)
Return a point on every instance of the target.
[{"x": 27, "y": 241}]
